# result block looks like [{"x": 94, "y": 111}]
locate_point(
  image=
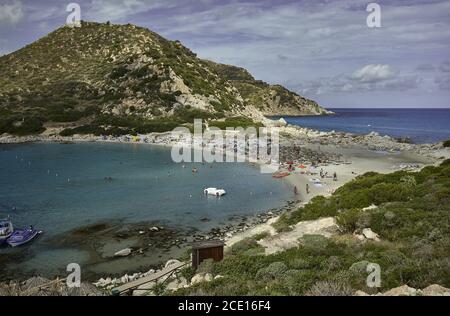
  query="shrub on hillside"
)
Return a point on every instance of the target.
[
  {"x": 412, "y": 222},
  {"x": 273, "y": 271},
  {"x": 349, "y": 220},
  {"x": 22, "y": 126},
  {"x": 84, "y": 130},
  {"x": 249, "y": 246}
]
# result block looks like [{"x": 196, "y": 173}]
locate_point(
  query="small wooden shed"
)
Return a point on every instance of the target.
[{"x": 203, "y": 250}]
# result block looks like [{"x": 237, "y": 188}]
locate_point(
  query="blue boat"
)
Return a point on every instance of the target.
[
  {"x": 22, "y": 236},
  {"x": 6, "y": 230}
]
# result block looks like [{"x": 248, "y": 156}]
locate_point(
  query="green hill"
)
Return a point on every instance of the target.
[{"x": 104, "y": 75}]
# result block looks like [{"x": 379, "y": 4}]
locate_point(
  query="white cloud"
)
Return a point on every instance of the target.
[
  {"x": 11, "y": 13},
  {"x": 367, "y": 78},
  {"x": 373, "y": 73}
]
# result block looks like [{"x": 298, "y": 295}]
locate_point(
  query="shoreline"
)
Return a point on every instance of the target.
[{"x": 345, "y": 154}]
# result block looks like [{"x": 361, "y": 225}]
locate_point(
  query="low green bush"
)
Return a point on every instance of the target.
[
  {"x": 85, "y": 129},
  {"x": 22, "y": 126},
  {"x": 248, "y": 246},
  {"x": 235, "y": 122}
]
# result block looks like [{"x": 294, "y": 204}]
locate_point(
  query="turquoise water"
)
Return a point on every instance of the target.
[
  {"x": 420, "y": 125},
  {"x": 60, "y": 187}
]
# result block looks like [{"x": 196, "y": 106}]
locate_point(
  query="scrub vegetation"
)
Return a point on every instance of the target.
[{"x": 412, "y": 218}]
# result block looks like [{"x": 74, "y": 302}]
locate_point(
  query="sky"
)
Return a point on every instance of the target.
[{"x": 322, "y": 49}]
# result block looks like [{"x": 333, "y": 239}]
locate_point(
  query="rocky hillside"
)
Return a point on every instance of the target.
[
  {"x": 126, "y": 76},
  {"x": 269, "y": 99}
]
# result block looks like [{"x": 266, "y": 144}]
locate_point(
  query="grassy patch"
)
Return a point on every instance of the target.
[{"x": 235, "y": 122}]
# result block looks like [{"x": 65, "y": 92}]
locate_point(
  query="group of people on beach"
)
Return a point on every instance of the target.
[
  {"x": 325, "y": 174},
  {"x": 322, "y": 175}
]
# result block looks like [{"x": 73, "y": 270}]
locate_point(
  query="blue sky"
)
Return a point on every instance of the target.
[{"x": 321, "y": 49}]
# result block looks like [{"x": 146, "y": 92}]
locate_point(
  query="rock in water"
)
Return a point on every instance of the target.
[
  {"x": 281, "y": 122},
  {"x": 123, "y": 253}
]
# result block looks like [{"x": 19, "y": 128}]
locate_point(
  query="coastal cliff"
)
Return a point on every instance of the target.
[
  {"x": 271, "y": 100},
  {"x": 130, "y": 78}
]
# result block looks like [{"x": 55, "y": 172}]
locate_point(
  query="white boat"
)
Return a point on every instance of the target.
[
  {"x": 214, "y": 191},
  {"x": 6, "y": 230}
]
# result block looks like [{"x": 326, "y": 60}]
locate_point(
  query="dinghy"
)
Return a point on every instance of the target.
[
  {"x": 214, "y": 191},
  {"x": 6, "y": 230},
  {"x": 22, "y": 236}
]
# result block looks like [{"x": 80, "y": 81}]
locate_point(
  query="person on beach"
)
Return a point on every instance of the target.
[
  {"x": 307, "y": 188},
  {"x": 335, "y": 176},
  {"x": 295, "y": 190}
]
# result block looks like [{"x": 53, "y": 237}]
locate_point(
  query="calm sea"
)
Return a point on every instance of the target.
[
  {"x": 420, "y": 125},
  {"x": 60, "y": 187}
]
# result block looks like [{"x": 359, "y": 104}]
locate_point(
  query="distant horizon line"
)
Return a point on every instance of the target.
[{"x": 391, "y": 108}]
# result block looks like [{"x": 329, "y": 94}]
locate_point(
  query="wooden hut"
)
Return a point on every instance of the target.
[{"x": 203, "y": 250}]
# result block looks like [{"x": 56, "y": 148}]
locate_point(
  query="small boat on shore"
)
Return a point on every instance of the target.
[
  {"x": 22, "y": 236},
  {"x": 280, "y": 175},
  {"x": 6, "y": 230}
]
